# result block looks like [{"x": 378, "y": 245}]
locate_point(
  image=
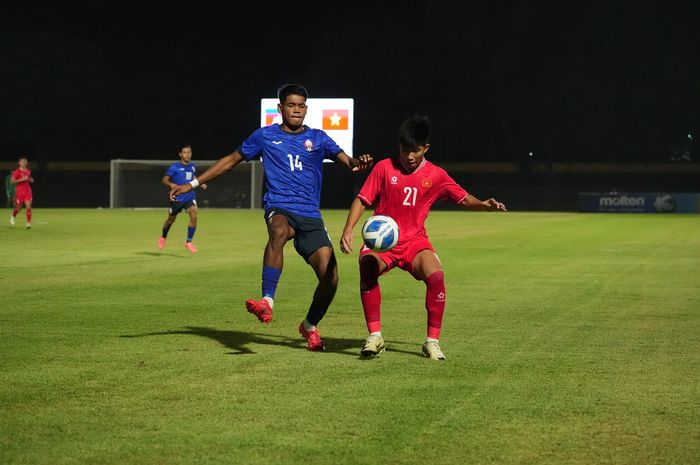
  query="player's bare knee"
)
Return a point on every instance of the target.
[
  {"x": 326, "y": 270},
  {"x": 278, "y": 235},
  {"x": 332, "y": 278}
]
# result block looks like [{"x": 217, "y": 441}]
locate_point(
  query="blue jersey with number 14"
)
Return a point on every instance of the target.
[{"x": 293, "y": 166}]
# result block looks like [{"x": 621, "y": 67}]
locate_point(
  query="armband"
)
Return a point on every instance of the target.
[{"x": 194, "y": 183}]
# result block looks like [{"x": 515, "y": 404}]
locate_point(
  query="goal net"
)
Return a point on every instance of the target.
[{"x": 136, "y": 184}]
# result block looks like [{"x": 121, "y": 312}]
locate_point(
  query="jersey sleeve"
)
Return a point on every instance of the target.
[
  {"x": 450, "y": 190},
  {"x": 370, "y": 189},
  {"x": 172, "y": 169},
  {"x": 330, "y": 147},
  {"x": 253, "y": 145}
]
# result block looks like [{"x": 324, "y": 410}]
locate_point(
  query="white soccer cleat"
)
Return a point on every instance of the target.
[
  {"x": 12, "y": 220},
  {"x": 431, "y": 349},
  {"x": 374, "y": 345},
  {"x": 29, "y": 226}
]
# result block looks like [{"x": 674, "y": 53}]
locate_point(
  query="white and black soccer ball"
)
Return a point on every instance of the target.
[{"x": 380, "y": 233}]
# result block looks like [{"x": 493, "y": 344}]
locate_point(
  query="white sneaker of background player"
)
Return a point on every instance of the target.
[{"x": 12, "y": 220}]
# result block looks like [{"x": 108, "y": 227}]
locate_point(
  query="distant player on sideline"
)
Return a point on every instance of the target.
[
  {"x": 292, "y": 156},
  {"x": 404, "y": 187},
  {"x": 10, "y": 191},
  {"x": 181, "y": 172},
  {"x": 21, "y": 178}
]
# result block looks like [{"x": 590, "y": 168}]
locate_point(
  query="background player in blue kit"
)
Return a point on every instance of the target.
[
  {"x": 181, "y": 172},
  {"x": 292, "y": 156}
]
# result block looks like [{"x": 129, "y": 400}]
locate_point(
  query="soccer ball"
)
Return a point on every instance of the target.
[{"x": 380, "y": 233}]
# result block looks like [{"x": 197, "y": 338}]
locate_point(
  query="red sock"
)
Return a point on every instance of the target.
[
  {"x": 435, "y": 302},
  {"x": 29, "y": 215},
  {"x": 15, "y": 211},
  {"x": 370, "y": 293},
  {"x": 371, "y": 304}
]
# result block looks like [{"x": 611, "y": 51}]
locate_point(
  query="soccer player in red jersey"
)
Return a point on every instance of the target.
[
  {"x": 404, "y": 187},
  {"x": 21, "y": 177}
]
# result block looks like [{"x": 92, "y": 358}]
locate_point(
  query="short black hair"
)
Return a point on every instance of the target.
[
  {"x": 291, "y": 89},
  {"x": 415, "y": 131}
]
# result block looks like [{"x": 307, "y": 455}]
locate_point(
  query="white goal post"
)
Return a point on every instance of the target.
[{"x": 137, "y": 184}]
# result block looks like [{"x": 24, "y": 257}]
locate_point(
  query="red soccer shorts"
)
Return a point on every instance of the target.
[
  {"x": 21, "y": 198},
  {"x": 402, "y": 255}
]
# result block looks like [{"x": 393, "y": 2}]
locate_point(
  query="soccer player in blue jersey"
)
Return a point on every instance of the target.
[
  {"x": 292, "y": 156},
  {"x": 181, "y": 172}
]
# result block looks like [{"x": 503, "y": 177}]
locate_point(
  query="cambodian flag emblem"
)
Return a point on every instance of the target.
[{"x": 272, "y": 116}]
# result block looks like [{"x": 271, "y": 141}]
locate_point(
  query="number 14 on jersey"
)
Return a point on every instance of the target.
[{"x": 294, "y": 163}]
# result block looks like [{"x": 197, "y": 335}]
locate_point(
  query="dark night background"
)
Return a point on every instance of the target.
[{"x": 575, "y": 82}]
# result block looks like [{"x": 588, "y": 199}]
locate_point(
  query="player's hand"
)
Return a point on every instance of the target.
[
  {"x": 179, "y": 189},
  {"x": 494, "y": 205},
  {"x": 346, "y": 242},
  {"x": 364, "y": 162}
]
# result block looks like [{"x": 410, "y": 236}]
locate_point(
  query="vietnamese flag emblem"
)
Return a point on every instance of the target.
[
  {"x": 426, "y": 182},
  {"x": 335, "y": 119}
]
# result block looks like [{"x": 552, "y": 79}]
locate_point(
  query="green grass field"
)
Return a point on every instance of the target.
[{"x": 570, "y": 339}]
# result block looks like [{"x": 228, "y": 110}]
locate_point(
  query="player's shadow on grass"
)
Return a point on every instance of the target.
[
  {"x": 240, "y": 341},
  {"x": 160, "y": 254}
]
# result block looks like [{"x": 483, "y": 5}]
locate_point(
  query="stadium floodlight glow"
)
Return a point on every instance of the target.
[{"x": 333, "y": 115}]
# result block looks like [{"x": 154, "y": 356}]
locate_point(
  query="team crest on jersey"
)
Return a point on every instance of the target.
[
  {"x": 394, "y": 179},
  {"x": 426, "y": 182},
  {"x": 308, "y": 145}
]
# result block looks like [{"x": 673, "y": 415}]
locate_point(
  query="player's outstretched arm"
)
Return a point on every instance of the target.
[
  {"x": 223, "y": 165},
  {"x": 358, "y": 165},
  {"x": 491, "y": 205},
  {"x": 356, "y": 210},
  {"x": 167, "y": 182}
]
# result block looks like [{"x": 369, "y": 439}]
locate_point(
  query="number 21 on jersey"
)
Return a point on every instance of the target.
[{"x": 411, "y": 193}]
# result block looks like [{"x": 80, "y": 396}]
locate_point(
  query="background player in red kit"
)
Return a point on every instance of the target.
[
  {"x": 21, "y": 177},
  {"x": 405, "y": 187}
]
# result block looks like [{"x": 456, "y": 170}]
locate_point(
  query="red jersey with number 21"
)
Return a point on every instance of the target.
[{"x": 407, "y": 197}]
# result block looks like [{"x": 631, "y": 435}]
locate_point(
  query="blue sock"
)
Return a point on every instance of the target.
[
  {"x": 190, "y": 233},
  {"x": 270, "y": 277}
]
